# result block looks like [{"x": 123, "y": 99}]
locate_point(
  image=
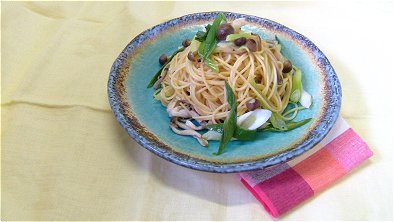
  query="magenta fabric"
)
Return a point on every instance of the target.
[
  {"x": 281, "y": 188},
  {"x": 345, "y": 148}
]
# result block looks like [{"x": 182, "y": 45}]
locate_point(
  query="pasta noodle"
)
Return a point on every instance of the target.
[
  {"x": 189, "y": 83},
  {"x": 259, "y": 81}
]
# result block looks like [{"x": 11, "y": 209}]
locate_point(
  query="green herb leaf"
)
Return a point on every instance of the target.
[
  {"x": 156, "y": 76},
  {"x": 230, "y": 124},
  {"x": 290, "y": 126}
]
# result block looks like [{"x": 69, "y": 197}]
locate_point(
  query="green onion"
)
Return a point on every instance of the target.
[
  {"x": 215, "y": 127},
  {"x": 245, "y": 134},
  {"x": 156, "y": 94},
  {"x": 279, "y": 45},
  {"x": 278, "y": 122},
  {"x": 296, "y": 88},
  {"x": 233, "y": 37},
  {"x": 201, "y": 35},
  {"x": 194, "y": 45},
  {"x": 211, "y": 64},
  {"x": 230, "y": 124},
  {"x": 209, "y": 44},
  {"x": 240, "y": 133},
  {"x": 277, "y": 39},
  {"x": 156, "y": 76},
  {"x": 290, "y": 126}
]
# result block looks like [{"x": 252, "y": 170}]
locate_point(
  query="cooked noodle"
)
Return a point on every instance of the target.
[
  {"x": 264, "y": 89},
  {"x": 192, "y": 90}
]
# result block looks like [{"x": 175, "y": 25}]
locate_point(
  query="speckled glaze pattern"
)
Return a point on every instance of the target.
[{"x": 123, "y": 108}]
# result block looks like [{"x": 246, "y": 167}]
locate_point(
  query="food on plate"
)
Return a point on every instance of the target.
[{"x": 229, "y": 84}]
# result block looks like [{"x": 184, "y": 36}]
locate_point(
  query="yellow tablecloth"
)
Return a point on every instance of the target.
[{"x": 65, "y": 157}]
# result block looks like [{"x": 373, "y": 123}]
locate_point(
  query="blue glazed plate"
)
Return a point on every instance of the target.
[{"x": 147, "y": 121}]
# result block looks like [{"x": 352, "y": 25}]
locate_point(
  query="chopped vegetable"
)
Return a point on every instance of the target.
[
  {"x": 254, "y": 119},
  {"x": 233, "y": 37},
  {"x": 289, "y": 125},
  {"x": 156, "y": 76},
  {"x": 230, "y": 124},
  {"x": 156, "y": 94},
  {"x": 306, "y": 99},
  {"x": 277, "y": 39},
  {"x": 279, "y": 47},
  {"x": 296, "y": 88},
  {"x": 238, "y": 23},
  {"x": 211, "y": 64},
  {"x": 212, "y": 135},
  {"x": 210, "y": 42},
  {"x": 243, "y": 134},
  {"x": 277, "y": 122},
  {"x": 194, "y": 45},
  {"x": 201, "y": 35},
  {"x": 215, "y": 127},
  {"x": 239, "y": 133}
]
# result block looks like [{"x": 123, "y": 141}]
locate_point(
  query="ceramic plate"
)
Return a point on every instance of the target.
[{"x": 147, "y": 121}]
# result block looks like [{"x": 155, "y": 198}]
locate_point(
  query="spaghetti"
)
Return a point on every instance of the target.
[{"x": 255, "y": 69}]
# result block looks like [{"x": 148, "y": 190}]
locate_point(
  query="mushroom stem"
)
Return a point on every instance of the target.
[
  {"x": 193, "y": 133},
  {"x": 160, "y": 79}
]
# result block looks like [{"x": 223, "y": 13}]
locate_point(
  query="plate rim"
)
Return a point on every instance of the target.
[{"x": 329, "y": 116}]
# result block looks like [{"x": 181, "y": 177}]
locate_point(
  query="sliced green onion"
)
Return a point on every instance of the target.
[
  {"x": 233, "y": 37},
  {"x": 194, "y": 45},
  {"x": 209, "y": 44},
  {"x": 290, "y": 126},
  {"x": 202, "y": 35},
  {"x": 244, "y": 134},
  {"x": 278, "y": 122},
  {"x": 230, "y": 124},
  {"x": 215, "y": 127},
  {"x": 211, "y": 64},
  {"x": 156, "y": 94},
  {"x": 240, "y": 133},
  {"x": 277, "y": 39},
  {"x": 296, "y": 88},
  {"x": 279, "y": 47}
]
